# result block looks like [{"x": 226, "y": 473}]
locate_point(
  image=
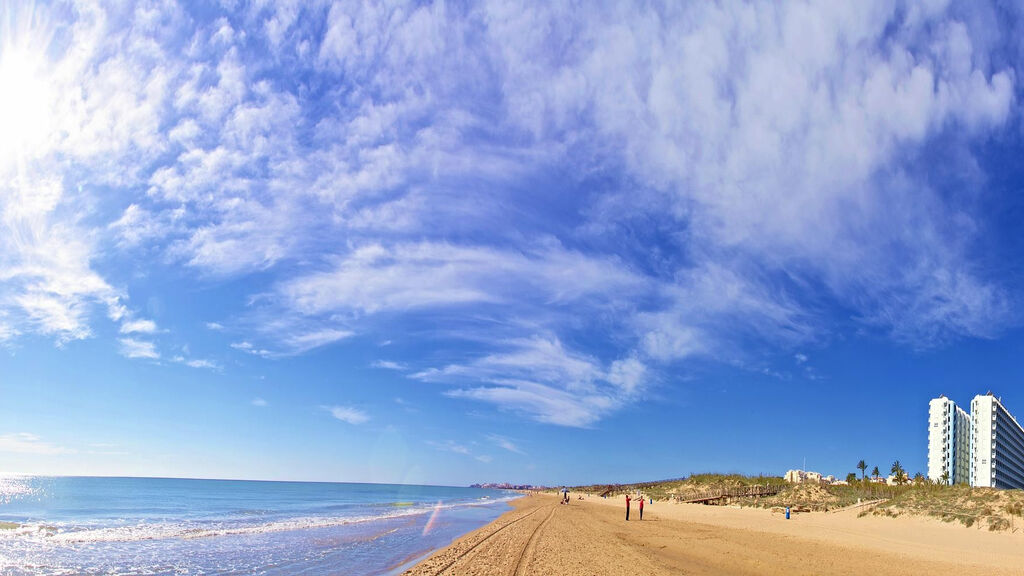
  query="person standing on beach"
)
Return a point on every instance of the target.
[
  {"x": 641, "y": 508},
  {"x": 627, "y": 507}
]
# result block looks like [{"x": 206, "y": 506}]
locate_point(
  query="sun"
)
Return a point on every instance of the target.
[{"x": 26, "y": 98}]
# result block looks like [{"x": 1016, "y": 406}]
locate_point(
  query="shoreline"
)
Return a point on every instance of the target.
[{"x": 591, "y": 536}]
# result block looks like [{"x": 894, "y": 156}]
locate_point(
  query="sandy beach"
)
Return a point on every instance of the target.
[{"x": 591, "y": 537}]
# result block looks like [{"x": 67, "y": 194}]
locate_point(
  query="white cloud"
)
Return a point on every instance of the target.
[
  {"x": 299, "y": 342},
  {"x": 541, "y": 402},
  {"x": 389, "y": 365},
  {"x": 714, "y": 309},
  {"x": 140, "y": 326},
  {"x": 630, "y": 375},
  {"x": 376, "y": 278},
  {"x": 7, "y": 332},
  {"x": 102, "y": 125},
  {"x": 259, "y": 402},
  {"x": 249, "y": 348},
  {"x": 196, "y": 362},
  {"x": 782, "y": 134},
  {"x": 348, "y": 414},
  {"x": 540, "y": 379},
  {"x": 47, "y": 285},
  {"x": 462, "y": 449},
  {"x": 137, "y": 226},
  {"x": 26, "y": 443},
  {"x": 132, "y": 348},
  {"x": 775, "y": 164},
  {"x": 457, "y": 448},
  {"x": 505, "y": 444},
  {"x": 289, "y": 336}
]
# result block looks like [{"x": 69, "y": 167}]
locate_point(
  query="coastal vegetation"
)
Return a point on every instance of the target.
[
  {"x": 973, "y": 507},
  {"x": 982, "y": 507},
  {"x": 681, "y": 488}
]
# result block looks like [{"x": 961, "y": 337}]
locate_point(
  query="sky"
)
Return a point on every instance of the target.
[{"x": 549, "y": 243}]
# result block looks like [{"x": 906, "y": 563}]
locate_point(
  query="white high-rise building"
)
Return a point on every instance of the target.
[
  {"x": 949, "y": 439},
  {"x": 997, "y": 445}
]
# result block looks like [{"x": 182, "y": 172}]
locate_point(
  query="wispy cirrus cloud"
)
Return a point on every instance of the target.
[
  {"x": 196, "y": 362},
  {"x": 348, "y": 414},
  {"x": 376, "y": 278},
  {"x": 506, "y": 444},
  {"x": 542, "y": 380},
  {"x": 133, "y": 348},
  {"x": 694, "y": 182},
  {"x": 139, "y": 326},
  {"x": 458, "y": 448},
  {"x": 27, "y": 443}
]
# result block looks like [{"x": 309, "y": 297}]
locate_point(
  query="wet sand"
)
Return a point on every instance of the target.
[{"x": 591, "y": 537}]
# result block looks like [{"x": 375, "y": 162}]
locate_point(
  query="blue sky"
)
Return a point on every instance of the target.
[{"x": 449, "y": 243}]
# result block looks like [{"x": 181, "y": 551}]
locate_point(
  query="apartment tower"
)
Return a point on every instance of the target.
[
  {"x": 997, "y": 445},
  {"x": 949, "y": 441}
]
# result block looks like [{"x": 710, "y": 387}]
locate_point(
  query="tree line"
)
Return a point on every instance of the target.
[{"x": 899, "y": 473}]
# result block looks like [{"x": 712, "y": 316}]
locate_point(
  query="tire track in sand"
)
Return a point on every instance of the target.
[
  {"x": 531, "y": 543},
  {"x": 484, "y": 539}
]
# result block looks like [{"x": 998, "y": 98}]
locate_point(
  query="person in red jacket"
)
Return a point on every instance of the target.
[
  {"x": 641, "y": 508},
  {"x": 627, "y": 507}
]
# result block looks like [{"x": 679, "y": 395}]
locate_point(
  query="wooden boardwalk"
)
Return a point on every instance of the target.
[{"x": 710, "y": 496}]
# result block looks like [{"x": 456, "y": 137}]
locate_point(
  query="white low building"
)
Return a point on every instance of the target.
[{"x": 802, "y": 476}]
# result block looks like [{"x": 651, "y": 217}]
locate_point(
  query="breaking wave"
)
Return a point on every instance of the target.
[{"x": 187, "y": 530}]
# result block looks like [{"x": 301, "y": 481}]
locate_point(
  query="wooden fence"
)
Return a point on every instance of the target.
[{"x": 709, "y": 496}]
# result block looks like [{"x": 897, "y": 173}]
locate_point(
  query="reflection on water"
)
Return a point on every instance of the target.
[{"x": 158, "y": 526}]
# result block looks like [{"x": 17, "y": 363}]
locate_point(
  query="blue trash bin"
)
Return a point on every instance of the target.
[{"x": 787, "y": 512}]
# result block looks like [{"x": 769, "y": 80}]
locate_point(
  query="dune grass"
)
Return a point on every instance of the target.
[
  {"x": 984, "y": 507},
  {"x": 973, "y": 507},
  {"x": 680, "y": 487}
]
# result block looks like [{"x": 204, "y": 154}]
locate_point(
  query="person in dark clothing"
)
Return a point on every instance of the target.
[{"x": 628, "y": 499}]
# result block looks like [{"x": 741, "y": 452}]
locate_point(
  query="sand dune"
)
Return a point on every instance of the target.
[{"x": 591, "y": 537}]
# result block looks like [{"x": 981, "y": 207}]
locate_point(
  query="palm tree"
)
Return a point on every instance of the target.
[
  {"x": 918, "y": 478},
  {"x": 862, "y": 465},
  {"x": 945, "y": 478},
  {"x": 898, "y": 473},
  {"x": 851, "y": 477},
  {"x": 875, "y": 472}
]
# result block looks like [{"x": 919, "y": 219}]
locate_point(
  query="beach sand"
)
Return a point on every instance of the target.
[{"x": 591, "y": 537}]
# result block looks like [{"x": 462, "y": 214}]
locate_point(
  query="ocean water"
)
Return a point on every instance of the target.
[{"x": 82, "y": 525}]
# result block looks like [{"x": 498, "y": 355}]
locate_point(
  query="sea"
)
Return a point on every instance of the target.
[{"x": 87, "y": 525}]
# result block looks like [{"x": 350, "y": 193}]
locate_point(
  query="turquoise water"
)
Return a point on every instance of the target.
[{"x": 81, "y": 525}]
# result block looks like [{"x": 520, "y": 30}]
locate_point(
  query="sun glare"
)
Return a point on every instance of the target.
[{"x": 25, "y": 99}]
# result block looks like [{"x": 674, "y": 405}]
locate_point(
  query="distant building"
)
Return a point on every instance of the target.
[
  {"x": 802, "y": 476},
  {"x": 997, "y": 445},
  {"x": 949, "y": 442}
]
